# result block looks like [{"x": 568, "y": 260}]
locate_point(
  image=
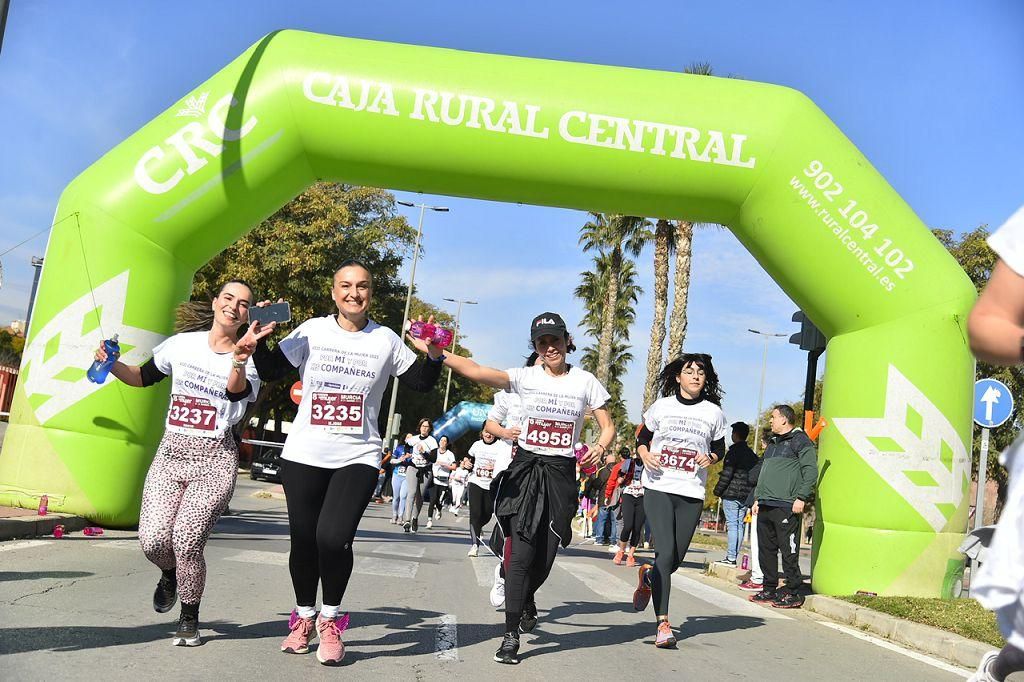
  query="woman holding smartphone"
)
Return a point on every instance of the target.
[{"x": 329, "y": 466}]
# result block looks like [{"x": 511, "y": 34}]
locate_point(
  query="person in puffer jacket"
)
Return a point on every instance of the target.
[{"x": 733, "y": 487}]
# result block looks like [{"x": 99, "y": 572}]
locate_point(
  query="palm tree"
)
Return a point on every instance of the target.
[
  {"x": 683, "y": 242},
  {"x": 609, "y": 234},
  {"x": 664, "y": 244},
  {"x": 593, "y": 291}
]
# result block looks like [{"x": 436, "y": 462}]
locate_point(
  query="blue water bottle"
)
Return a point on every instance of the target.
[{"x": 98, "y": 371}]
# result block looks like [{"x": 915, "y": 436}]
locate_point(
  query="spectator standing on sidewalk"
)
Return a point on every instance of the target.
[
  {"x": 784, "y": 487},
  {"x": 606, "y": 526},
  {"x": 755, "y": 582},
  {"x": 733, "y": 488}
]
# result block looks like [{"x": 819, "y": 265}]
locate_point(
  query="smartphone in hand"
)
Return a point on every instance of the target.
[{"x": 275, "y": 312}]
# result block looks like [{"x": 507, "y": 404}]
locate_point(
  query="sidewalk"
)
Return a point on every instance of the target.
[
  {"x": 16, "y": 523},
  {"x": 925, "y": 638}
]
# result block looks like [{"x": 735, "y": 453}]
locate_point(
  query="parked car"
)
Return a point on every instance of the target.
[{"x": 266, "y": 464}]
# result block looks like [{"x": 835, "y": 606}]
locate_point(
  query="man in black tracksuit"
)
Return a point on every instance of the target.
[{"x": 786, "y": 484}]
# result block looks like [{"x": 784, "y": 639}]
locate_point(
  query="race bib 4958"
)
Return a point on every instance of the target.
[{"x": 549, "y": 433}]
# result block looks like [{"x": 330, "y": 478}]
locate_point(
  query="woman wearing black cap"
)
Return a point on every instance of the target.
[{"x": 535, "y": 498}]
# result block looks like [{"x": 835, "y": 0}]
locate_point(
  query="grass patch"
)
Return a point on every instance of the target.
[
  {"x": 964, "y": 617},
  {"x": 709, "y": 541}
]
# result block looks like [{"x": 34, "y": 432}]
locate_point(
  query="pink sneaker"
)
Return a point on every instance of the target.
[
  {"x": 619, "y": 557},
  {"x": 665, "y": 640},
  {"x": 297, "y": 641},
  {"x": 631, "y": 561},
  {"x": 331, "y": 650}
]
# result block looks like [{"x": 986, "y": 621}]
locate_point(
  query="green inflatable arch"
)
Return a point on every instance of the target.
[{"x": 131, "y": 231}]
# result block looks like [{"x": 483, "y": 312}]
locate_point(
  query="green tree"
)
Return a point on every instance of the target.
[
  {"x": 11, "y": 347},
  {"x": 977, "y": 259}
]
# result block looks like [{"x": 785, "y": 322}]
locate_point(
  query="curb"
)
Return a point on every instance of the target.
[
  {"x": 947, "y": 646},
  {"x": 20, "y": 527}
]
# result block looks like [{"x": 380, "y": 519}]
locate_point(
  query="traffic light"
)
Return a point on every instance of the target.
[{"x": 809, "y": 338}]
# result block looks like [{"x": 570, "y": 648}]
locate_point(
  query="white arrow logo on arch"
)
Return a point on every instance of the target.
[
  {"x": 59, "y": 353},
  {"x": 915, "y": 448}
]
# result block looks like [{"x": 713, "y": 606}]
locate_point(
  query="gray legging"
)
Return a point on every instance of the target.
[
  {"x": 673, "y": 520},
  {"x": 416, "y": 485}
]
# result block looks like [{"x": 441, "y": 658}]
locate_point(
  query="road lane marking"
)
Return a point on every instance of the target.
[
  {"x": 885, "y": 644},
  {"x": 727, "y": 602},
  {"x": 446, "y": 640},
  {"x": 392, "y": 568},
  {"x": 25, "y": 544},
  {"x": 483, "y": 566},
  {"x": 597, "y": 579},
  {"x": 255, "y": 556},
  {"x": 117, "y": 544},
  {"x": 401, "y": 549}
]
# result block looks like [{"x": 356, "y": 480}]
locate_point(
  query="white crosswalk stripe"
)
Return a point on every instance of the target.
[
  {"x": 392, "y": 568},
  {"x": 446, "y": 640},
  {"x": 608, "y": 585},
  {"x": 483, "y": 566},
  {"x": 404, "y": 549},
  {"x": 25, "y": 544}
]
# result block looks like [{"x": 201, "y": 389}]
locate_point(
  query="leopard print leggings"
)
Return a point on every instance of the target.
[{"x": 187, "y": 488}]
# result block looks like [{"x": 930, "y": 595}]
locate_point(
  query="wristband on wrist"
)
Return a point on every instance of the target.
[{"x": 237, "y": 364}]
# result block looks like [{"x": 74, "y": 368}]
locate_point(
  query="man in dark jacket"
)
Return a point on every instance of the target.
[
  {"x": 606, "y": 526},
  {"x": 733, "y": 487},
  {"x": 786, "y": 484}
]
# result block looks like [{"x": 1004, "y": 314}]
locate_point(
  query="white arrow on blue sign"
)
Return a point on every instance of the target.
[{"x": 993, "y": 403}]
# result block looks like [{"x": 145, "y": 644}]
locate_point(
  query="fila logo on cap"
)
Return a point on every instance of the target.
[{"x": 546, "y": 320}]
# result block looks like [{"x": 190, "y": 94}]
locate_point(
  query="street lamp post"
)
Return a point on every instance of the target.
[
  {"x": 455, "y": 340},
  {"x": 408, "y": 301},
  {"x": 760, "y": 393}
]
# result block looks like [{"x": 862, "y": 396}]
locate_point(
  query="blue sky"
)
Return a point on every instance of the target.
[{"x": 933, "y": 97}]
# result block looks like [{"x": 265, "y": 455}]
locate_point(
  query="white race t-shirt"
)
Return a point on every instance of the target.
[
  {"x": 419, "y": 447},
  {"x": 681, "y": 432},
  {"x": 441, "y": 472},
  {"x": 507, "y": 410},
  {"x": 343, "y": 378},
  {"x": 199, "y": 383},
  {"x": 553, "y": 407},
  {"x": 489, "y": 461},
  {"x": 634, "y": 486},
  {"x": 1008, "y": 242}
]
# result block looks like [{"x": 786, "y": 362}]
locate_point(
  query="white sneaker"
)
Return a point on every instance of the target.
[
  {"x": 982, "y": 674},
  {"x": 473, "y": 551},
  {"x": 498, "y": 589},
  {"x": 430, "y": 523}
]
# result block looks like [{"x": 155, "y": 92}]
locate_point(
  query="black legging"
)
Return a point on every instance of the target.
[
  {"x": 633, "y": 518},
  {"x": 673, "y": 521},
  {"x": 481, "y": 508},
  {"x": 324, "y": 509},
  {"x": 526, "y": 566},
  {"x": 438, "y": 495}
]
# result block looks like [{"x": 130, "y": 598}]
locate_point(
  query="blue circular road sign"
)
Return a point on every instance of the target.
[{"x": 993, "y": 403}]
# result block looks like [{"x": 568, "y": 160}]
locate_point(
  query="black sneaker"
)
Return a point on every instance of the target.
[
  {"x": 188, "y": 631},
  {"x": 764, "y": 596},
  {"x": 166, "y": 593},
  {"x": 528, "y": 621},
  {"x": 727, "y": 562},
  {"x": 508, "y": 652},
  {"x": 788, "y": 600},
  {"x": 415, "y": 525}
]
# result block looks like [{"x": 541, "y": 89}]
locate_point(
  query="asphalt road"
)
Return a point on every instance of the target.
[{"x": 79, "y": 608}]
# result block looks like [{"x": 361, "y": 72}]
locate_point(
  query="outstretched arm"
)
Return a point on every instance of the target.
[
  {"x": 488, "y": 376},
  {"x": 996, "y": 323}
]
